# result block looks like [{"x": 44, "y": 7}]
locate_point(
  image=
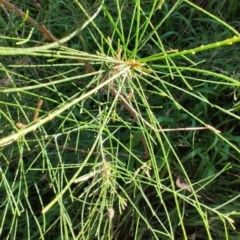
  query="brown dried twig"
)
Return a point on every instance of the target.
[
  {"x": 136, "y": 116},
  {"x": 47, "y": 33},
  {"x": 36, "y": 113}
]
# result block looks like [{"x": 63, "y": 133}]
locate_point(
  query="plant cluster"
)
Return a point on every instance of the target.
[{"x": 119, "y": 119}]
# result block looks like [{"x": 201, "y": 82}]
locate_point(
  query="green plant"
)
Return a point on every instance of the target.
[{"x": 126, "y": 127}]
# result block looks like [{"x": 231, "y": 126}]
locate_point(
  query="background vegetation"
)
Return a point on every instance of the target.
[{"x": 119, "y": 119}]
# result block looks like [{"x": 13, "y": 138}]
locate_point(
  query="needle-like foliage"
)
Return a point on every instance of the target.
[{"x": 119, "y": 119}]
